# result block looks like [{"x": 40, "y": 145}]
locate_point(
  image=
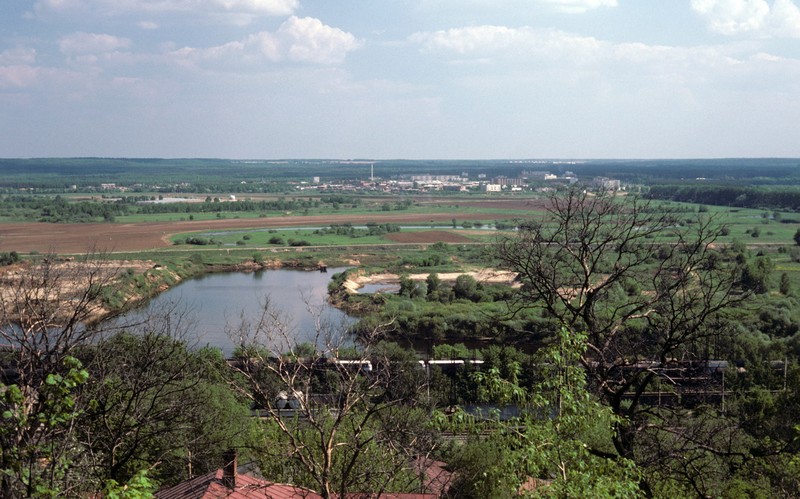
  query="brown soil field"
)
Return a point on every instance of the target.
[{"x": 97, "y": 237}]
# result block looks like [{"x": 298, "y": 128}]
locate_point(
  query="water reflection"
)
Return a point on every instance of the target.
[{"x": 216, "y": 303}]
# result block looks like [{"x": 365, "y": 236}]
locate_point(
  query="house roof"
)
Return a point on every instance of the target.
[
  {"x": 211, "y": 486},
  {"x": 436, "y": 478}
]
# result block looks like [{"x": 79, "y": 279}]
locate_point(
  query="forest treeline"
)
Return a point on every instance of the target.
[
  {"x": 61, "y": 210},
  {"x": 741, "y": 196}
]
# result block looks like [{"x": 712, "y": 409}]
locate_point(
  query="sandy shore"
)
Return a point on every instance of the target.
[{"x": 489, "y": 276}]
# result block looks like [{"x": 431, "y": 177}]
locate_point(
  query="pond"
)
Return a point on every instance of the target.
[{"x": 216, "y": 303}]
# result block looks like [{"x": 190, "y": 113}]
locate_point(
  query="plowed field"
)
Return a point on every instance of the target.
[{"x": 80, "y": 238}]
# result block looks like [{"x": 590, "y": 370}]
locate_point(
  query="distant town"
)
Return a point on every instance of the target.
[{"x": 526, "y": 181}]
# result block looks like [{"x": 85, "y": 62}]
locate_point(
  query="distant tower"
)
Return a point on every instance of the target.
[{"x": 372, "y": 172}]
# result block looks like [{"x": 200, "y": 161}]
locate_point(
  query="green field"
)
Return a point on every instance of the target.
[{"x": 260, "y": 238}]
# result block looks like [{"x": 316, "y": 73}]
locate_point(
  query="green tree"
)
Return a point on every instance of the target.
[
  {"x": 575, "y": 449},
  {"x": 563, "y": 444},
  {"x": 466, "y": 287},
  {"x": 433, "y": 283},
  {"x": 159, "y": 404},
  {"x": 571, "y": 262},
  {"x": 32, "y": 464},
  {"x": 140, "y": 486},
  {"x": 755, "y": 275},
  {"x": 785, "y": 285},
  {"x": 407, "y": 286}
]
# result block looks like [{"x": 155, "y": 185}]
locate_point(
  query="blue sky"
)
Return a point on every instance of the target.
[{"x": 436, "y": 79}]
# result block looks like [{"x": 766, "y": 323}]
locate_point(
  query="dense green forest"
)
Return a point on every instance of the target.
[
  {"x": 743, "y": 196},
  {"x": 60, "y": 209}
]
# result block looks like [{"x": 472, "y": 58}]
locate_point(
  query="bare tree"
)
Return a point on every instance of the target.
[
  {"x": 647, "y": 292},
  {"x": 48, "y": 309},
  {"x": 340, "y": 426}
]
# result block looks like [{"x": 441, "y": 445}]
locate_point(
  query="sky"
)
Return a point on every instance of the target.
[{"x": 392, "y": 79}]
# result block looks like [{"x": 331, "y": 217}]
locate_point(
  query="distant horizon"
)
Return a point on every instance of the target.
[{"x": 368, "y": 159}]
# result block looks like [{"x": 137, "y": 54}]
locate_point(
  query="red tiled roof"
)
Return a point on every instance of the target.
[
  {"x": 210, "y": 486},
  {"x": 435, "y": 477},
  {"x": 389, "y": 495}
]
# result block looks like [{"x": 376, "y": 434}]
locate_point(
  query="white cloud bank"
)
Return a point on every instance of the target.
[
  {"x": 91, "y": 43},
  {"x": 503, "y": 42},
  {"x": 19, "y": 55},
  {"x": 755, "y": 17},
  {"x": 298, "y": 39},
  {"x": 121, "y": 7},
  {"x": 580, "y": 6},
  {"x": 554, "y": 54},
  {"x": 16, "y": 68}
]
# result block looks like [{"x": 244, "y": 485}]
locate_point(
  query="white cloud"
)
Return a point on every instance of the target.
[
  {"x": 531, "y": 52},
  {"x": 756, "y": 17},
  {"x": 785, "y": 19},
  {"x": 19, "y": 55},
  {"x": 121, "y": 7},
  {"x": 268, "y": 7},
  {"x": 504, "y": 42},
  {"x": 580, "y": 6},
  {"x": 91, "y": 43},
  {"x": 730, "y": 17},
  {"x": 297, "y": 39},
  {"x": 147, "y": 25},
  {"x": 309, "y": 40},
  {"x": 18, "y": 76},
  {"x": 471, "y": 39}
]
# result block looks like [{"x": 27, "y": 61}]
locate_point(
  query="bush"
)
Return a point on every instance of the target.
[
  {"x": 466, "y": 287},
  {"x": 457, "y": 351},
  {"x": 199, "y": 241},
  {"x": 9, "y": 258}
]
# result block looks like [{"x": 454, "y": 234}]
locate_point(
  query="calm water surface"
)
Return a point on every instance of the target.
[{"x": 215, "y": 302}]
